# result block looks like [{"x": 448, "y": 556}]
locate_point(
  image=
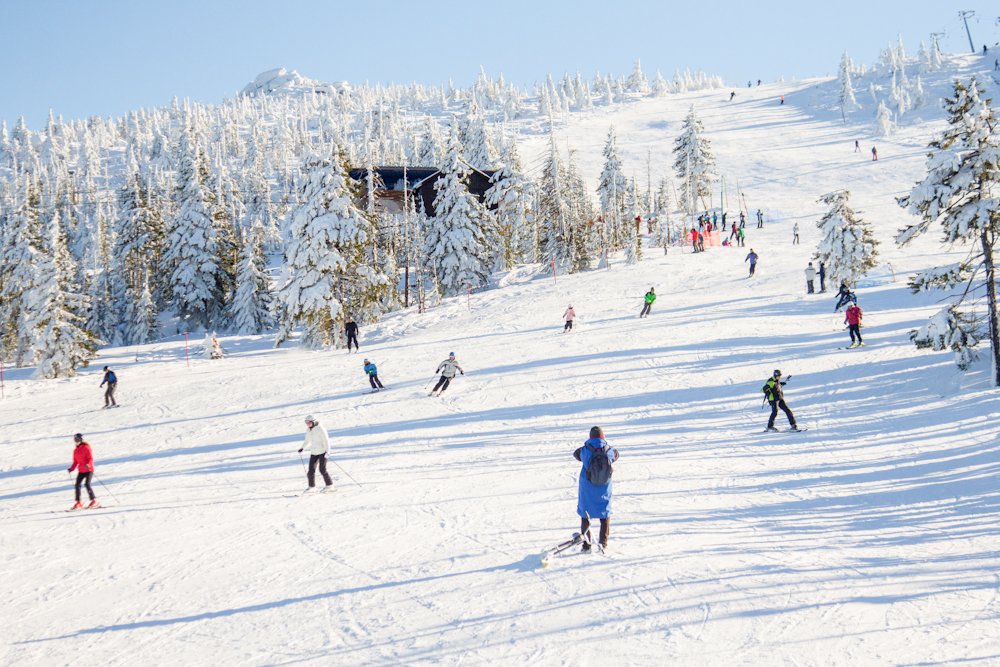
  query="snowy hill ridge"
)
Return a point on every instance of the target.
[{"x": 281, "y": 81}]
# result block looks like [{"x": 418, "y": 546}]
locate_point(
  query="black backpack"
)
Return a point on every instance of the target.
[{"x": 599, "y": 471}]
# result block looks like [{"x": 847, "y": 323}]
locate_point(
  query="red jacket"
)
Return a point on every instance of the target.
[
  {"x": 853, "y": 315},
  {"x": 83, "y": 458}
]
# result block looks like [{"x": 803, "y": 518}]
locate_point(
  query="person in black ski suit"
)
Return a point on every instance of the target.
[
  {"x": 776, "y": 397},
  {"x": 351, "y": 329},
  {"x": 844, "y": 295}
]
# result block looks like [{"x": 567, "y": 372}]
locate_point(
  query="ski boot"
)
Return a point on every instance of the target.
[
  {"x": 93, "y": 504},
  {"x": 76, "y": 506}
]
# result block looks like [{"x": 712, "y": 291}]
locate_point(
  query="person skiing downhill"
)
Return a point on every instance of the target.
[
  {"x": 372, "y": 372},
  {"x": 568, "y": 316},
  {"x": 594, "y": 488},
  {"x": 795, "y": 234},
  {"x": 648, "y": 305},
  {"x": 447, "y": 370},
  {"x": 318, "y": 443},
  {"x": 351, "y": 331},
  {"x": 776, "y": 397},
  {"x": 844, "y": 295},
  {"x": 752, "y": 258},
  {"x": 83, "y": 463},
  {"x": 109, "y": 394},
  {"x": 852, "y": 318}
]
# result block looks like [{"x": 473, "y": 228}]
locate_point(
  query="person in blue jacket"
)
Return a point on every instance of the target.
[
  {"x": 594, "y": 499},
  {"x": 109, "y": 394},
  {"x": 373, "y": 376}
]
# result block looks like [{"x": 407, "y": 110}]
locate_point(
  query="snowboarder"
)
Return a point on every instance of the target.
[
  {"x": 594, "y": 489},
  {"x": 776, "y": 397},
  {"x": 83, "y": 463},
  {"x": 216, "y": 351},
  {"x": 852, "y": 318},
  {"x": 318, "y": 443},
  {"x": 752, "y": 258},
  {"x": 844, "y": 295},
  {"x": 568, "y": 316},
  {"x": 351, "y": 330},
  {"x": 810, "y": 277},
  {"x": 874, "y": 154},
  {"x": 109, "y": 394},
  {"x": 795, "y": 234},
  {"x": 760, "y": 220},
  {"x": 822, "y": 277},
  {"x": 447, "y": 370},
  {"x": 372, "y": 372},
  {"x": 648, "y": 305}
]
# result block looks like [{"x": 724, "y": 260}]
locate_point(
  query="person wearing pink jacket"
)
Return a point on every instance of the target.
[{"x": 568, "y": 316}]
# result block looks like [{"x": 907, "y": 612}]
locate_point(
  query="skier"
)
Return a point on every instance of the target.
[
  {"x": 874, "y": 154},
  {"x": 795, "y": 234},
  {"x": 724, "y": 214},
  {"x": 852, "y": 318},
  {"x": 694, "y": 240},
  {"x": 857, "y": 146},
  {"x": 648, "y": 305},
  {"x": 758, "y": 82},
  {"x": 568, "y": 316},
  {"x": 732, "y": 95},
  {"x": 715, "y": 220},
  {"x": 822, "y": 277},
  {"x": 216, "y": 351},
  {"x": 735, "y": 234},
  {"x": 594, "y": 489},
  {"x": 776, "y": 397},
  {"x": 83, "y": 463},
  {"x": 447, "y": 370},
  {"x": 743, "y": 219},
  {"x": 844, "y": 295},
  {"x": 782, "y": 98},
  {"x": 372, "y": 372},
  {"x": 810, "y": 277},
  {"x": 760, "y": 220},
  {"x": 318, "y": 443},
  {"x": 701, "y": 242},
  {"x": 351, "y": 330},
  {"x": 752, "y": 258},
  {"x": 109, "y": 393},
  {"x": 740, "y": 237}
]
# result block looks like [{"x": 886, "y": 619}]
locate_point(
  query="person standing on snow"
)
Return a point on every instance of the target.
[
  {"x": 760, "y": 220},
  {"x": 743, "y": 220},
  {"x": 594, "y": 488},
  {"x": 822, "y": 277},
  {"x": 318, "y": 443},
  {"x": 874, "y": 154},
  {"x": 83, "y": 463},
  {"x": 852, "y": 318},
  {"x": 351, "y": 330},
  {"x": 795, "y": 234},
  {"x": 694, "y": 240},
  {"x": 109, "y": 394},
  {"x": 648, "y": 303},
  {"x": 752, "y": 258},
  {"x": 372, "y": 372},
  {"x": 740, "y": 237},
  {"x": 568, "y": 316},
  {"x": 857, "y": 146},
  {"x": 810, "y": 277},
  {"x": 776, "y": 397},
  {"x": 447, "y": 369}
]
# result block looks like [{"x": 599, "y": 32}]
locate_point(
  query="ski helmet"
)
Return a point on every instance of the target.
[
  {"x": 366, "y": 361},
  {"x": 310, "y": 419},
  {"x": 777, "y": 373},
  {"x": 451, "y": 354},
  {"x": 78, "y": 437}
]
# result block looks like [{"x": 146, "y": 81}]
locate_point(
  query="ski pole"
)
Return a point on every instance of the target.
[
  {"x": 433, "y": 377},
  {"x": 106, "y": 489},
  {"x": 345, "y": 472},
  {"x": 303, "y": 462}
]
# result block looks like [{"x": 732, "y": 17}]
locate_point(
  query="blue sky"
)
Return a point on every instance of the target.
[{"x": 105, "y": 57}]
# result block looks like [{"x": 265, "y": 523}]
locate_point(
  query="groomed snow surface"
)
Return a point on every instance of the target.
[{"x": 870, "y": 539}]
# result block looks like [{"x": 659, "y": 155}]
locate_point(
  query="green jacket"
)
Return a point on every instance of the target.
[
  {"x": 772, "y": 390},
  {"x": 650, "y": 297}
]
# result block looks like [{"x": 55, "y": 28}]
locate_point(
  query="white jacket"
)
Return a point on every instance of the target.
[
  {"x": 449, "y": 367},
  {"x": 317, "y": 441},
  {"x": 810, "y": 273}
]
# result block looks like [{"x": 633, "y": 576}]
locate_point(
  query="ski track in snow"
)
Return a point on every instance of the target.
[{"x": 869, "y": 539}]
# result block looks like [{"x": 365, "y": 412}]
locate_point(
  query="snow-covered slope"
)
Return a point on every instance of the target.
[{"x": 869, "y": 539}]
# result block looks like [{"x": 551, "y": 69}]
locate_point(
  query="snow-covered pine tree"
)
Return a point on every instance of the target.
[
  {"x": 23, "y": 243},
  {"x": 325, "y": 257},
  {"x": 660, "y": 86},
  {"x": 847, "y": 245},
  {"x": 694, "y": 163},
  {"x": 554, "y": 213},
  {"x": 251, "y": 311},
  {"x": 633, "y": 241},
  {"x": 662, "y": 212},
  {"x": 961, "y": 193},
  {"x": 612, "y": 189},
  {"x": 848, "y": 102},
  {"x": 477, "y": 145},
  {"x": 581, "y": 219},
  {"x": 510, "y": 198},
  {"x": 61, "y": 343},
  {"x": 884, "y": 126},
  {"x": 191, "y": 253},
  {"x": 637, "y": 82},
  {"x": 454, "y": 238},
  {"x": 139, "y": 324}
]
